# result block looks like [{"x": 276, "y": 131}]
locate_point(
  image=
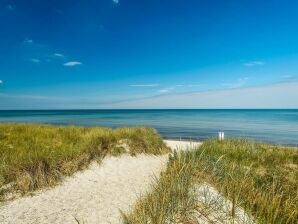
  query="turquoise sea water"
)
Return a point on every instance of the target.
[{"x": 273, "y": 126}]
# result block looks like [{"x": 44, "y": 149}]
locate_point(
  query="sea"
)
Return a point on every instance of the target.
[{"x": 274, "y": 126}]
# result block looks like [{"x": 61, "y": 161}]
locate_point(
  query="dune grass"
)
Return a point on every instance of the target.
[
  {"x": 171, "y": 199},
  {"x": 37, "y": 156},
  {"x": 260, "y": 178}
]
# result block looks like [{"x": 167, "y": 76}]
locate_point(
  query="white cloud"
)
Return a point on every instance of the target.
[
  {"x": 253, "y": 63},
  {"x": 188, "y": 85},
  {"x": 166, "y": 90},
  {"x": 59, "y": 55},
  {"x": 1, "y": 82},
  {"x": 35, "y": 60},
  {"x": 116, "y": 1},
  {"x": 163, "y": 90},
  {"x": 239, "y": 83},
  {"x": 72, "y": 63},
  {"x": 11, "y": 7},
  {"x": 33, "y": 97},
  {"x": 281, "y": 95},
  {"x": 194, "y": 85},
  {"x": 144, "y": 85},
  {"x": 28, "y": 41}
]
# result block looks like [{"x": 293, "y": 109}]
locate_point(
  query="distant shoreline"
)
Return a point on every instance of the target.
[{"x": 140, "y": 109}]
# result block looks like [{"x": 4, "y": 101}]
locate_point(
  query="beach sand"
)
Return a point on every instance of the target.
[
  {"x": 99, "y": 193},
  {"x": 95, "y": 195},
  {"x": 182, "y": 145}
]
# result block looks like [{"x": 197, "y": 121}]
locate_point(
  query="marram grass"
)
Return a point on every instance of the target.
[
  {"x": 171, "y": 198},
  {"x": 37, "y": 156},
  {"x": 262, "y": 179}
]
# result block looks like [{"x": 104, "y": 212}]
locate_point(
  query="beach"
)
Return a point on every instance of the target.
[
  {"x": 111, "y": 175},
  {"x": 95, "y": 195},
  {"x": 149, "y": 112},
  {"x": 70, "y": 174}
]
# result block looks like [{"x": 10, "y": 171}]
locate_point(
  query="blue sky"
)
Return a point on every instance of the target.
[{"x": 148, "y": 54}]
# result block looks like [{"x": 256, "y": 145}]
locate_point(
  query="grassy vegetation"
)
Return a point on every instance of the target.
[
  {"x": 36, "y": 156},
  {"x": 171, "y": 199},
  {"x": 259, "y": 178}
]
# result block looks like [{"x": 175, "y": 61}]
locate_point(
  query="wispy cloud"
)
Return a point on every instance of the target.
[
  {"x": 290, "y": 77},
  {"x": 177, "y": 86},
  {"x": 279, "y": 95},
  {"x": 188, "y": 85},
  {"x": 1, "y": 82},
  {"x": 253, "y": 63},
  {"x": 11, "y": 7},
  {"x": 33, "y": 97},
  {"x": 58, "y": 55},
  {"x": 163, "y": 90},
  {"x": 166, "y": 90},
  {"x": 72, "y": 63},
  {"x": 28, "y": 41},
  {"x": 35, "y": 60},
  {"x": 194, "y": 85},
  {"x": 144, "y": 85},
  {"x": 239, "y": 83},
  {"x": 287, "y": 76}
]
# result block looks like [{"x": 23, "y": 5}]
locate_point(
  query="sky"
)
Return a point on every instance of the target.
[{"x": 126, "y": 54}]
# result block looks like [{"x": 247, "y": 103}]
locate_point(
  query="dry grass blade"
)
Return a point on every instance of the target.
[
  {"x": 259, "y": 178},
  {"x": 37, "y": 156}
]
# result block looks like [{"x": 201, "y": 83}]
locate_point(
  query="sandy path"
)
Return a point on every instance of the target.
[
  {"x": 94, "y": 195},
  {"x": 182, "y": 145}
]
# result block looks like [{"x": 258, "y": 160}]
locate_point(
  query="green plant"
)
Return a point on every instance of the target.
[
  {"x": 37, "y": 156},
  {"x": 260, "y": 178}
]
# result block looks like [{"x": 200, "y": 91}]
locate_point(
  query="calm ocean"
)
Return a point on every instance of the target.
[{"x": 273, "y": 126}]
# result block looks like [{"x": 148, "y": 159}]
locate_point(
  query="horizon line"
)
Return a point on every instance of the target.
[{"x": 150, "y": 109}]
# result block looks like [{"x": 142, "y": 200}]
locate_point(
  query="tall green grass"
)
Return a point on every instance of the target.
[
  {"x": 261, "y": 179},
  {"x": 36, "y": 156},
  {"x": 171, "y": 199}
]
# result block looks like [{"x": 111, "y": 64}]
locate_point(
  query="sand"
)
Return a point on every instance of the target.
[
  {"x": 92, "y": 196},
  {"x": 182, "y": 145},
  {"x": 99, "y": 193},
  {"x": 215, "y": 208},
  {"x": 95, "y": 195}
]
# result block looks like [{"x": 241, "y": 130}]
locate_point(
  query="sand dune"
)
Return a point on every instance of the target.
[
  {"x": 95, "y": 195},
  {"x": 99, "y": 193},
  {"x": 92, "y": 196}
]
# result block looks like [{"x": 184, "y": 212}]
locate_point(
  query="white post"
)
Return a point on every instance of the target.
[{"x": 221, "y": 136}]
